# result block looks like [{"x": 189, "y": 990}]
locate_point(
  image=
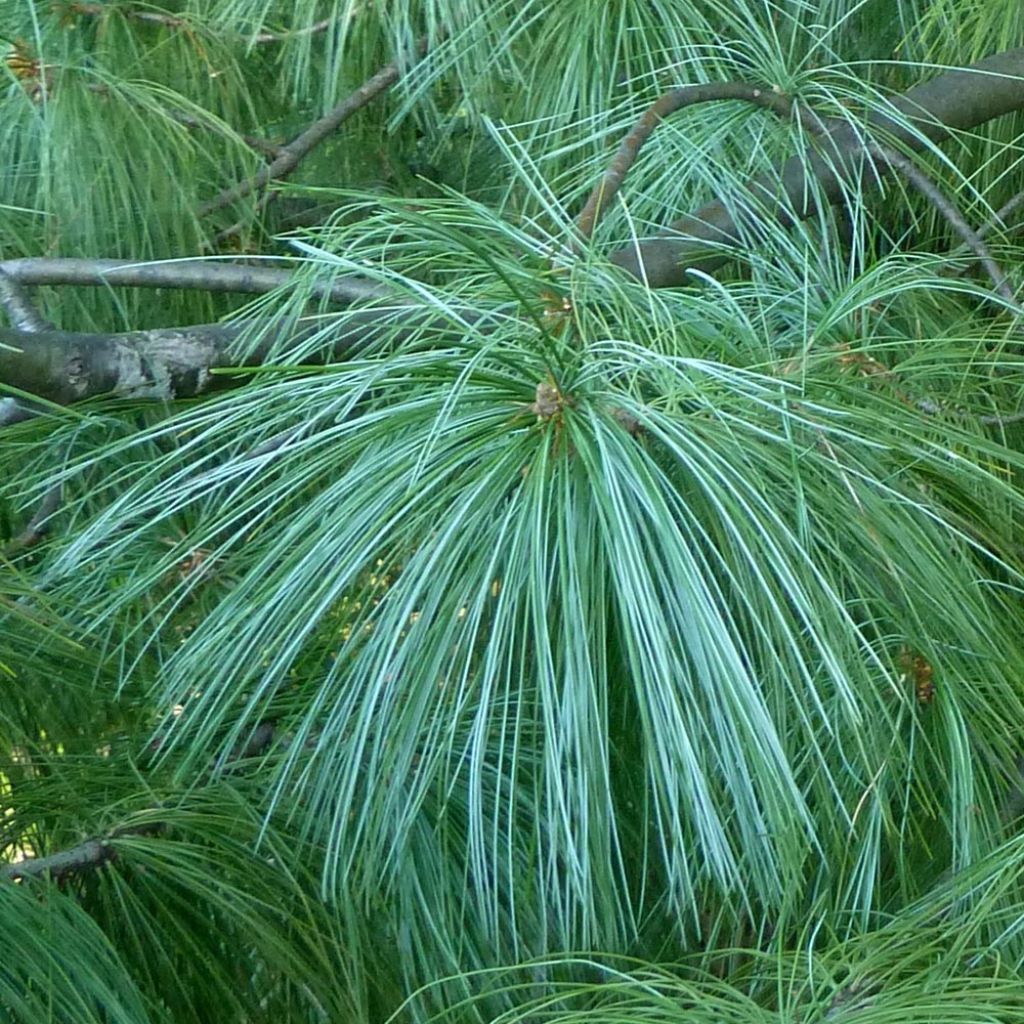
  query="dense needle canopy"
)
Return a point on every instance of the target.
[{"x": 561, "y": 647}]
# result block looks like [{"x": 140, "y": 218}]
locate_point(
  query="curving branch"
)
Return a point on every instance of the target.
[
  {"x": 954, "y": 101},
  {"x": 40, "y": 523},
  {"x": 970, "y": 238},
  {"x": 18, "y": 306},
  {"x": 690, "y": 95}
]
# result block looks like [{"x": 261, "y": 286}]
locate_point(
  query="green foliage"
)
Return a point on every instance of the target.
[{"x": 646, "y": 655}]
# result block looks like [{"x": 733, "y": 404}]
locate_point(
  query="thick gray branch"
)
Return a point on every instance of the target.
[
  {"x": 174, "y": 362},
  {"x": 954, "y": 101},
  {"x": 65, "y": 367}
]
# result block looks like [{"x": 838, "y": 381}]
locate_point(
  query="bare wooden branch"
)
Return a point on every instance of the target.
[
  {"x": 204, "y": 275},
  {"x": 971, "y": 238},
  {"x": 90, "y": 854},
  {"x": 1004, "y": 211},
  {"x": 178, "y": 362},
  {"x": 135, "y": 14},
  {"x": 87, "y": 855},
  {"x": 1003, "y": 420},
  {"x": 309, "y": 30},
  {"x": 39, "y": 525},
  {"x": 265, "y": 147},
  {"x": 93, "y": 853},
  {"x": 173, "y": 21},
  {"x": 23, "y": 316}
]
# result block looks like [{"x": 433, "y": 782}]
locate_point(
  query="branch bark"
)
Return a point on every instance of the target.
[
  {"x": 90, "y": 854},
  {"x": 202, "y": 275},
  {"x": 176, "y": 362},
  {"x": 87, "y": 855},
  {"x": 168, "y": 363},
  {"x": 18, "y": 306},
  {"x": 954, "y": 101}
]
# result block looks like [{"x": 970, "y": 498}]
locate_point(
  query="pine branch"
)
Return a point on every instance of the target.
[
  {"x": 39, "y": 525},
  {"x": 87, "y": 855},
  {"x": 178, "y": 362},
  {"x": 174, "y": 21},
  {"x": 91, "y": 854},
  {"x": 19, "y": 307},
  {"x": 954, "y": 101},
  {"x": 296, "y": 150},
  {"x": 605, "y": 191},
  {"x": 196, "y": 274},
  {"x": 971, "y": 238}
]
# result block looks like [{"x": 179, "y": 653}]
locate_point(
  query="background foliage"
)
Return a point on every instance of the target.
[{"x": 573, "y": 648}]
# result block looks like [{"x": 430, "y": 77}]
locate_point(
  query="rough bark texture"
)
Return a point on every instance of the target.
[
  {"x": 174, "y": 362},
  {"x": 954, "y": 101},
  {"x": 65, "y": 367}
]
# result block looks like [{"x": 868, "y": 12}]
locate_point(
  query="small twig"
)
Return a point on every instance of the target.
[
  {"x": 94, "y": 853},
  {"x": 950, "y": 213},
  {"x": 972, "y": 240},
  {"x": 278, "y": 37},
  {"x": 1001, "y": 421},
  {"x": 240, "y": 225},
  {"x": 255, "y": 142},
  {"x": 19, "y": 308},
  {"x": 997, "y": 220},
  {"x": 175, "y": 21},
  {"x": 932, "y": 408},
  {"x": 90, "y": 854},
  {"x": 135, "y": 13},
  {"x": 39, "y": 525},
  {"x": 1004, "y": 211},
  {"x": 629, "y": 148},
  {"x": 294, "y": 152}
]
